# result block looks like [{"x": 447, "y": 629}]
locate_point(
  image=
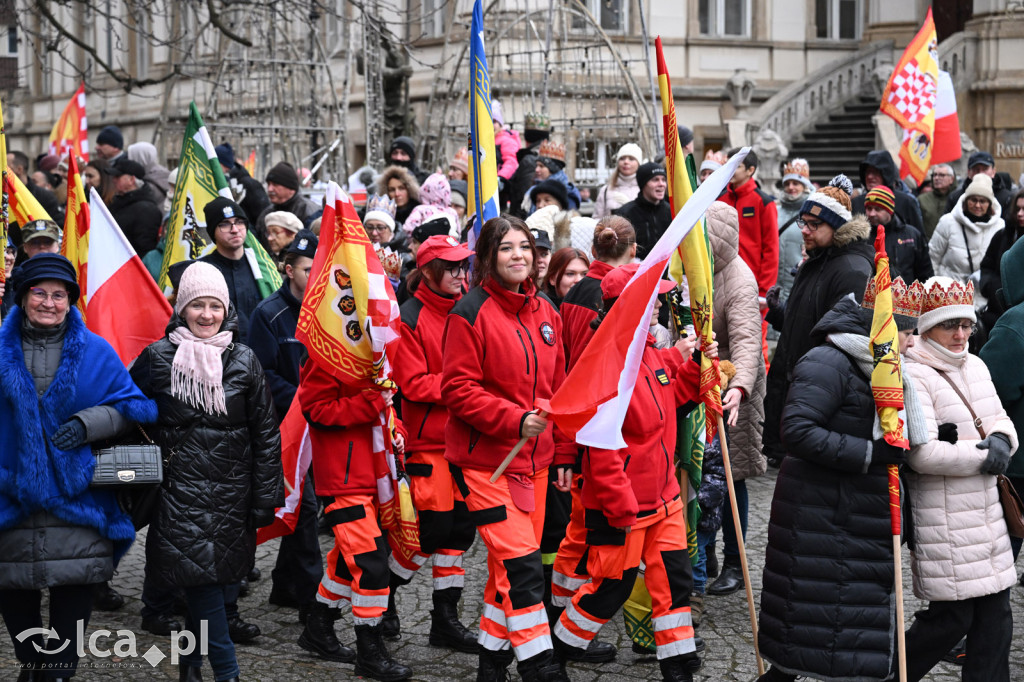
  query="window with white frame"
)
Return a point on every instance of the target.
[
  {"x": 611, "y": 15},
  {"x": 837, "y": 19},
  {"x": 432, "y": 18},
  {"x": 724, "y": 17}
]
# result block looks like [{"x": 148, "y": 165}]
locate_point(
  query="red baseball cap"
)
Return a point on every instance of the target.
[
  {"x": 443, "y": 247},
  {"x": 615, "y": 281}
]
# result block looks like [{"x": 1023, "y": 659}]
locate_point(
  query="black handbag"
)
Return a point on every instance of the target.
[{"x": 128, "y": 464}]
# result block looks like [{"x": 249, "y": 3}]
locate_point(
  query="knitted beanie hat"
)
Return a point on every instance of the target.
[
  {"x": 882, "y": 197},
  {"x": 284, "y": 174},
  {"x": 831, "y": 203},
  {"x": 201, "y": 279},
  {"x": 981, "y": 186},
  {"x": 630, "y": 149}
]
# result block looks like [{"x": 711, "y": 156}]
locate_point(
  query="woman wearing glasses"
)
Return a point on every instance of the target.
[
  {"x": 61, "y": 388},
  {"x": 445, "y": 529},
  {"x": 962, "y": 562}
]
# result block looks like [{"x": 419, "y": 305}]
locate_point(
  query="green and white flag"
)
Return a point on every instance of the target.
[{"x": 201, "y": 179}]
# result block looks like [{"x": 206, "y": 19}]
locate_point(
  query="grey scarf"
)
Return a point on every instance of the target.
[{"x": 858, "y": 348}]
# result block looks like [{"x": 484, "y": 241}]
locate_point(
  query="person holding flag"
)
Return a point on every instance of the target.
[
  {"x": 483, "y": 170},
  {"x": 633, "y": 508},
  {"x": 828, "y": 594},
  {"x": 970, "y": 441},
  {"x": 503, "y": 352}
]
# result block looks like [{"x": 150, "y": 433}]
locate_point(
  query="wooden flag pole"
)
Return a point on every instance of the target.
[
  {"x": 739, "y": 541},
  {"x": 894, "y": 511},
  {"x": 512, "y": 455}
]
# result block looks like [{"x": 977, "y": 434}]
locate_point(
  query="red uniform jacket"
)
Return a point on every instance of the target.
[
  {"x": 418, "y": 368},
  {"x": 579, "y": 308},
  {"x": 341, "y": 419},
  {"x": 619, "y": 484},
  {"x": 759, "y": 231},
  {"x": 502, "y": 351}
]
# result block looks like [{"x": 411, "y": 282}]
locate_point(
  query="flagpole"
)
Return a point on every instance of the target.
[
  {"x": 515, "y": 451},
  {"x": 894, "y": 512},
  {"x": 739, "y": 541}
]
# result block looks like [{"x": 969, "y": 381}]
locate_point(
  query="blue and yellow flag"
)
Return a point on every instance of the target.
[{"x": 483, "y": 166}]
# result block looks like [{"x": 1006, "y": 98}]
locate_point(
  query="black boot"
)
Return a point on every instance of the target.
[
  {"x": 543, "y": 667},
  {"x": 493, "y": 665},
  {"x": 392, "y": 625},
  {"x": 106, "y": 598},
  {"x": 775, "y": 675},
  {"x": 372, "y": 657},
  {"x": 319, "y": 638},
  {"x": 446, "y": 630},
  {"x": 242, "y": 632},
  {"x": 189, "y": 673},
  {"x": 161, "y": 624},
  {"x": 676, "y": 669},
  {"x": 731, "y": 578}
]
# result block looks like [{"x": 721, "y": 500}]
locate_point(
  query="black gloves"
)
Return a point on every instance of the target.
[
  {"x": 948, "y": 433},
  {"x": 771, "y": 297},
  {"x": 69, "y": 435},
  {"x": 883, "y": 453},
  {"x": 262, "y": 517},
  {"x": 998, "y": 458}
]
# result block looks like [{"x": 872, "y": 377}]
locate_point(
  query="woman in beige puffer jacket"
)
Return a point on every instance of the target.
[{"x": 961, "y": 558}]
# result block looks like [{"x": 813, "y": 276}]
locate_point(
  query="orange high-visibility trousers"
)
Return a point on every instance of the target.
[
  {"x": 357, "y": 564},
  {"x": 659, "y": 540},
  {"x": 445, "y": 528},
  {"x": 514, "y": 611},
  {"x": 569, "y": 573}
]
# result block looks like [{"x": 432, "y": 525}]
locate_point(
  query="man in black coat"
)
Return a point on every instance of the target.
[
  {"x": 134, "y": 208},
  {"x": 283, "y": 192},
  {"x": 878, "y": 168},
  {"x": 227, "y": 225},
  {"x": 839, "y": 261},
  {"x": 650, "y": 212},
  {"x": 904, "y": 244},
  {"x": 247, "y": 190}
]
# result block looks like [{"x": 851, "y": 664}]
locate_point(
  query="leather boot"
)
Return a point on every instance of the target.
[
  {"x": 446, "y": 630},
  {"x": 106, "y": 598},
  {"x": 242, "y": 632},
  {"x": 675, "y": 669},
  {"x": 372, "y": 657},
  {"x": 190, "y": 673},
  {"x": 493, "y": 665},
  {"x": 731, "y": 579},
  {"x": 319, "y": 637},
  {"x": 696, "y": 608},
  {"x": 543, "y": 667}
]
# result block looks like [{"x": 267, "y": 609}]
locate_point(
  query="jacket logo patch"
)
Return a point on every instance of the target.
[
  {"x": 547, "y": 332},
  {"x": 749, "y": 212},
  {"x": 662, "y": 376}
]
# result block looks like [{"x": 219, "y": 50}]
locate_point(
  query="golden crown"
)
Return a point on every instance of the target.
[
  {"x": 906, "y": 300},
  {"x": 797, "y": 167},
  {"x": 956, "y": 293},
  {"x": 552, "y": 150}
]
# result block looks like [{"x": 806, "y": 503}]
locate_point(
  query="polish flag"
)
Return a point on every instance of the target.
[
  {"x": 591, "y": 403},
  {"x": 946, "y": 144},
  {"x": 125, "y": 305},
  {"x": 296, "y": 456}
]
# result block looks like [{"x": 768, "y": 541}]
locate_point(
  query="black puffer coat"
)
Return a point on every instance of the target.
[
  {"x": 824, "y": 278},
  {"x": 222, "y": 469},
  {"x": 827, "y": 599}
]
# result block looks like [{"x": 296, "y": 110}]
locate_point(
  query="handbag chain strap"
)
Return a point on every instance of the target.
[{"x": 967, "y": 403}]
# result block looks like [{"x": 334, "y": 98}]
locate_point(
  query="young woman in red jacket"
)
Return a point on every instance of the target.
[
  {"x": 633, "y": 511},
  {"x": 614, "y": 245},
  {"x": 445, "y": 528},
  {"x": 503, "y": 351}
]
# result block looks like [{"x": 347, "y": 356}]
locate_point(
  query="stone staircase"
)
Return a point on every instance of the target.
[{"x": 839, "y": 143}]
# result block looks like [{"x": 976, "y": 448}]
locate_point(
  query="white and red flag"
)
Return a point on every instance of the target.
[
  {"x": 592, "y": 401},
  {"x": 296, "y": 457},
  {"x": 124, "y": 304}
]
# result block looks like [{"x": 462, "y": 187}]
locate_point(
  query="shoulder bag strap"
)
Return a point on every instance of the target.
[
  {"x": 967, "y": 245},
  {"x": 782, "y": 228},
  {"x": 977, "y": 420}
]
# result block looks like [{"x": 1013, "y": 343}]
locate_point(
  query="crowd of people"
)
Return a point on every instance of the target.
[{"x": 567, "y": 529}]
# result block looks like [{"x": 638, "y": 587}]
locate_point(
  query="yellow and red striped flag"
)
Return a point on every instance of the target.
[
  {"x": 75, "y": 244},
  {"x": 694, "y": 253},
  {"x": 70, "y": 134},
  {"x": 22, "y": 206}
]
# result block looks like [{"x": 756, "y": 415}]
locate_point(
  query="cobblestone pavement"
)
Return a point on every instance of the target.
[{"x": 275, "y": 657}]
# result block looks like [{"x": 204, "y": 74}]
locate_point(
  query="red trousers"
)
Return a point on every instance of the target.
[
  {"x": 357, "y": 565},
  {"x": 569, "y": 573},
  {"x": 659, "y": 540},
  {"x": 445, "y": 528},
  {"x": 514, "y": 611}
]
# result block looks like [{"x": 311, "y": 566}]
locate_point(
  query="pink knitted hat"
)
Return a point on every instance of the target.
[{"x": 201, "y": 279}]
